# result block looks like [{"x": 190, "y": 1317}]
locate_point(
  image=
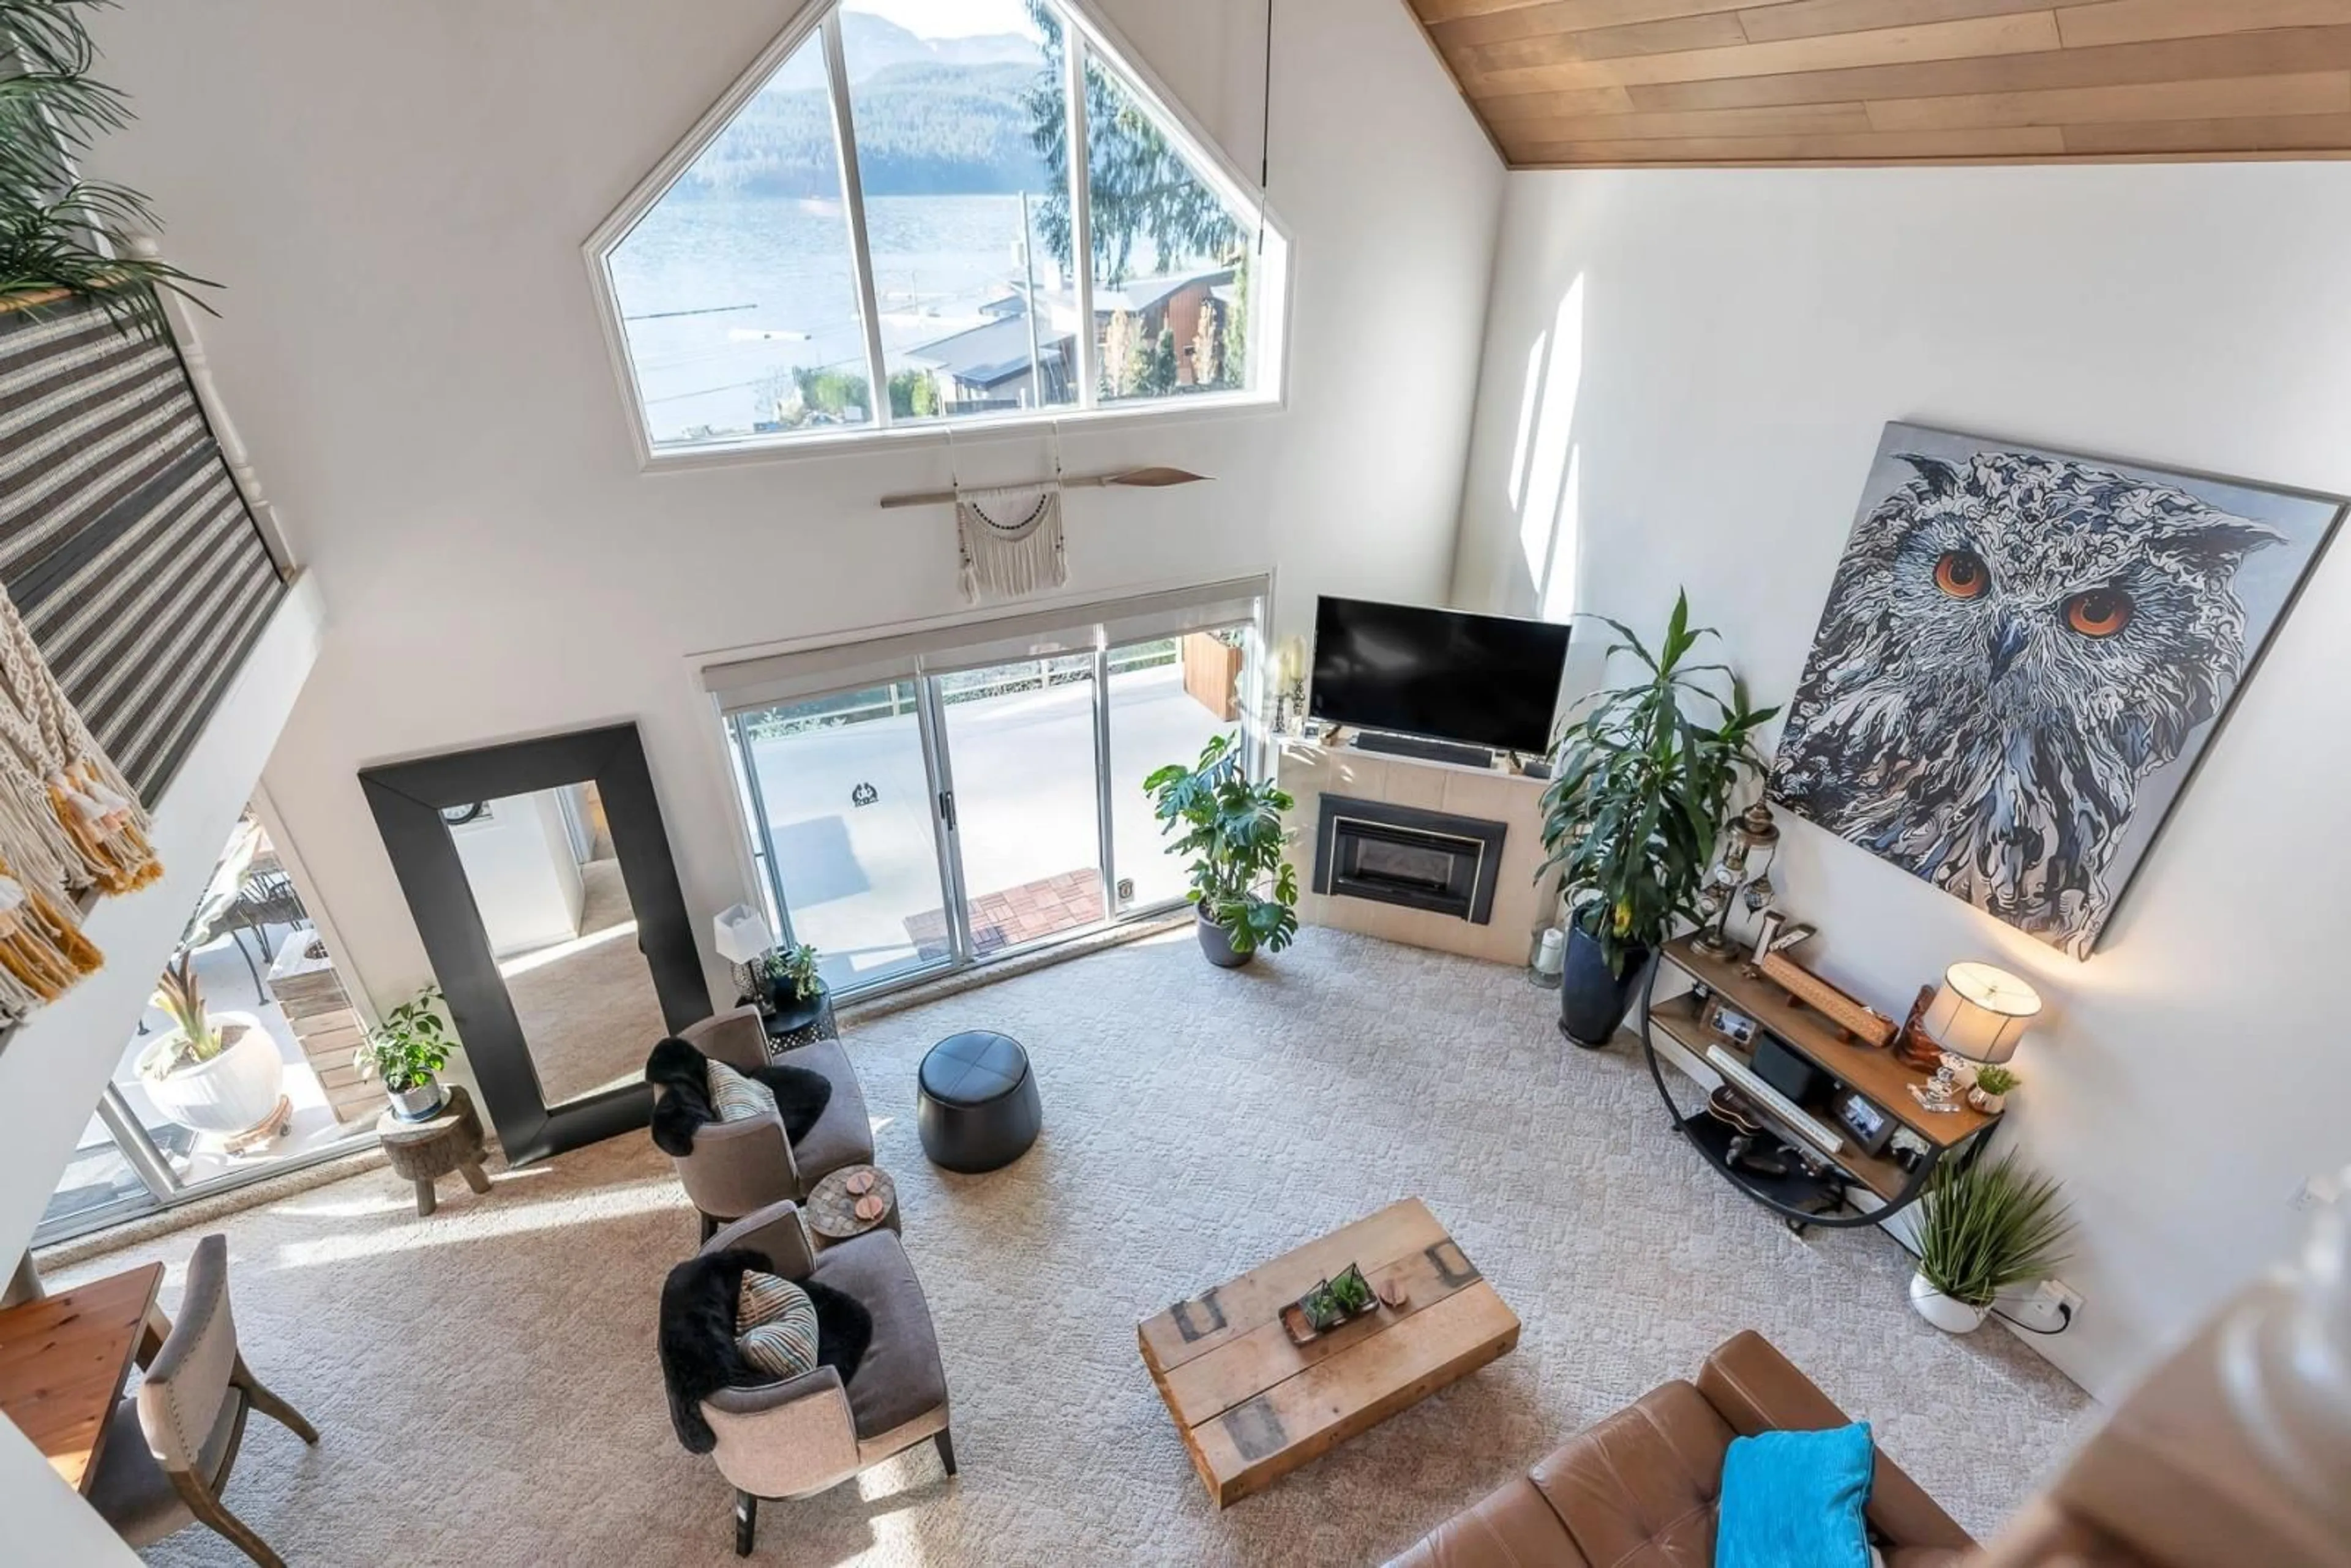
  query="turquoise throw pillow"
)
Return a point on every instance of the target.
[{"x": 1793, "y": 1499}]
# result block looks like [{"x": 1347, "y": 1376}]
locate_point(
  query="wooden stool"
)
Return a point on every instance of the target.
[
  {"x": 831, "y": 1211},
  {"x": 448, "y": 1140}
]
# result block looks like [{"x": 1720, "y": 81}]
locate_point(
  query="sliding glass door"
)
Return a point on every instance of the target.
[
  {"x": 845, "y": 820},
  {"x": 1023, "y": 794},
  {"x": 990, "y": 799}
]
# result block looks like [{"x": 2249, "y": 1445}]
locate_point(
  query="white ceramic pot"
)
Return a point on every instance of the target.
[
  {"x": 1950, "y": 1316},
  {"x": 234, "y": 1092},
  {"x": 417, "y": 1103}
]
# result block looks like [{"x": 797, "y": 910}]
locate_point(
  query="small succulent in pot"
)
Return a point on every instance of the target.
[{"x": 1991, "y": 1089}]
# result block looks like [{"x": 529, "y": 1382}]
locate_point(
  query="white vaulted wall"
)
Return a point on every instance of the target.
[
  {"x": 397, "y": 195},
  {"x": 1723, "y": 350}
]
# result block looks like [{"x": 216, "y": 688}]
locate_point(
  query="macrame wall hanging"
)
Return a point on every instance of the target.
[
  {"x": 1010, "y": 537},
  {"x": 69, "y": 823}
]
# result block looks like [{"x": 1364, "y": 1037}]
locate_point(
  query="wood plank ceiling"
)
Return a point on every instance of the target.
[{"x": 1568, "y": 83}]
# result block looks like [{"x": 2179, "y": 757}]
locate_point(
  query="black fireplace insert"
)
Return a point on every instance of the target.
[{"x": 1403, "y": 854}]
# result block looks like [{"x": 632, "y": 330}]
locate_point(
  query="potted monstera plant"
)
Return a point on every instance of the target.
[
  {"x": 210, "y": 1072},
  {"x": 1641, "y": 784},
  {"x": 1245, "y": 893}
]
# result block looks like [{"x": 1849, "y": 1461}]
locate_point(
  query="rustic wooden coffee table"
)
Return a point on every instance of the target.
[{"x": 1252, "y": 1406}]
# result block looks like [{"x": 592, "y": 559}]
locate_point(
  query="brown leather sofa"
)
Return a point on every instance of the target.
[{"x": 1638, "y": 1489}]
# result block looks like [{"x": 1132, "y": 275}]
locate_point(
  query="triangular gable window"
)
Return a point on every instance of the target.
[{"x": 887, "y": 198}]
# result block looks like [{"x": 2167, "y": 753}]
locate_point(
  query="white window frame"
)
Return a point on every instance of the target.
[{"x": 1089, "y": 36}]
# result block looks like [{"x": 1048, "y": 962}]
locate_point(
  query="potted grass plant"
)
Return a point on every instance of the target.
[
  {"x": 209, "y": 1073},
  {"x": 1641, "y": 783},
  {"x": 1245, "y": 893},
  {"x": 408, "y": 1050},
  {"x": 1985, "y": 1226}
]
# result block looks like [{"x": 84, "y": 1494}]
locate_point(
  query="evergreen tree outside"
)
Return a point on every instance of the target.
[
  {"x": 1138, "y": 187},
  {"x": 1161, "y": 375}
]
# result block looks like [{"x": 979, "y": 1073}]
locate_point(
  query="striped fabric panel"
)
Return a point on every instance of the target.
[{"x": 123, "y": 539}]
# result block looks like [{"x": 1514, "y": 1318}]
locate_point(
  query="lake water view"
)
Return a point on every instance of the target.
[{"x": 722, "y": 294}]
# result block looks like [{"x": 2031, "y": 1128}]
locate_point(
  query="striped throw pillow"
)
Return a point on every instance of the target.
[
  {"x": 736, "y": 1098},
  {"x": 775, "y": 1325}
]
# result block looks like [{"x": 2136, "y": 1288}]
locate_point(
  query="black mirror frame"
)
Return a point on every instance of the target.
[{"x": 408, "y": 798}]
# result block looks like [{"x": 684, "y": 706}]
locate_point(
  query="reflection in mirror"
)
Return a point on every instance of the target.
[{"x": 551, "y": 898}]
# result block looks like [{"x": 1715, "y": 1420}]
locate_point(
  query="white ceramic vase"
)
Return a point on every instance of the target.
[
  {"x": 1950, "y": 1316},
  {"x": 234, "y": 1092}
]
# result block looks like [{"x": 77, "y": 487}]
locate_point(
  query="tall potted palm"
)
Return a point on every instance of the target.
[
  {"x": 1245, "y": 893},
  {"x": 1641, "y": 785}
]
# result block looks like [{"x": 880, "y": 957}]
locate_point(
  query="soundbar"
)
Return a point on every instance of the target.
[
  {"x": 1811, "y": 1128},
  {"x": 1427, "y": 750}
]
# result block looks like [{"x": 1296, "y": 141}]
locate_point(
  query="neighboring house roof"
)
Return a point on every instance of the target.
[
  {"x": 984, "y": 356},
  {"x": 1141, "y": 294}
]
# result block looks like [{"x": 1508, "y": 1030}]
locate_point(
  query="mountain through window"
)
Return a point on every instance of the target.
[{"x": 893, "y": 201}]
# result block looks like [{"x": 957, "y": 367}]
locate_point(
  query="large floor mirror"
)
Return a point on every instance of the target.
[{"x": 540, "y": 878}]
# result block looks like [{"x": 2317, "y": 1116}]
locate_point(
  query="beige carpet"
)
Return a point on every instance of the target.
[{"x": 486, "y": 1385}]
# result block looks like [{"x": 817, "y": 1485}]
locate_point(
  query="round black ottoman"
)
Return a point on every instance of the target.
[{"x": 978, "y": 1109}]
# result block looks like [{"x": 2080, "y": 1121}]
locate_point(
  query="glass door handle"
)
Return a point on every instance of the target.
[{"x": 946, "y": 809}]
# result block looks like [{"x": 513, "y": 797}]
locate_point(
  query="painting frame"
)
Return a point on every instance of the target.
[{"x": 2025, "y": 657}]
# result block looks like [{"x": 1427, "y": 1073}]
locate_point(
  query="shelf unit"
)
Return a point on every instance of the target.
[{"x": 1859, "y": 1189}]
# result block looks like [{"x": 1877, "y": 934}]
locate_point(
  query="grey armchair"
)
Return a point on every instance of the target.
[
  {"x": 739, "y": 1167},
  {"x": 174, "y": 1441},
  {"x": 809, "y": 1433}
]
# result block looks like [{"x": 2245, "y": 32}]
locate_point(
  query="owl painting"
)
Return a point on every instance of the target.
[{"x": 2023, "y": 658}]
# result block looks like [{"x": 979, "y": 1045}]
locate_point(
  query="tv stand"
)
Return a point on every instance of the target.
[{"x": 1427, "y": 750}]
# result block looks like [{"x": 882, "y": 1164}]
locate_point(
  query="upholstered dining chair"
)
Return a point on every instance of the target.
[
  {"x": 739, "y": 1167},
  {"x": 808, "y": 1433},
  {"x": 174, "y": 1440}
]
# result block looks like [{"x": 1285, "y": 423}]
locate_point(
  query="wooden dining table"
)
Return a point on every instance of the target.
[{"x": 63, "y": 1359}]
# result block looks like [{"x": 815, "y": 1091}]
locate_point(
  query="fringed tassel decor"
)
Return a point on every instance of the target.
[
  {"x": 1016, "y": 558},
  {"x": 69, "y": 823}
]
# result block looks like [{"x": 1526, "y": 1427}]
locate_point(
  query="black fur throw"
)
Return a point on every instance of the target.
[
  {"x": 698, "y": 1353},
  {"x": 679, "y": 1075}
]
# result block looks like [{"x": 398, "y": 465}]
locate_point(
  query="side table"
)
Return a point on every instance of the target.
[
  {"x": 831, "y": 1208},
  {"x": 803, "y": 1023},
  {"x": 448, "y": 1140}
]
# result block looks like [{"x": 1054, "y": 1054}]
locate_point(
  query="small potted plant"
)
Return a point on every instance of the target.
[
  {"x": 1985, "y": 1226},
  {"x": 1991, "y": 1089},
  {"x": 210, "y": 1072},
  {"x": 408, "y": 1050},
  {"x": 1244, "y": 892},
  {"x": 1641, "y": 784},
  {"x": 794, "y": 990}
]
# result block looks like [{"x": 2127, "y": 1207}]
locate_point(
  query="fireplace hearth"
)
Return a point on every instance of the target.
[{"x": 1402, "y": 854}]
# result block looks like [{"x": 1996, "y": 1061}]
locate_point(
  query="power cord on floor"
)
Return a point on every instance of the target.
[{"x": 2064, "y": 1321}]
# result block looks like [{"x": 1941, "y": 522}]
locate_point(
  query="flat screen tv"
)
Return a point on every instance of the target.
[{"x": 1484, "y": 680}]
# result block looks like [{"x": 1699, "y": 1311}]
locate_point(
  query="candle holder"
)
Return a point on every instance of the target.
[{"x": 1753, "y": 834}]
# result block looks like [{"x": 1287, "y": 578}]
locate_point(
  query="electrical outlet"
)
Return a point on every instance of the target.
[{"x": 2052, "y": 1305}]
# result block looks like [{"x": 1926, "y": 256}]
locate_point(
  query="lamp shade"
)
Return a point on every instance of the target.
[
  {"x": 1981, "y": 1012},
  {"x": 741, "y": 934}
]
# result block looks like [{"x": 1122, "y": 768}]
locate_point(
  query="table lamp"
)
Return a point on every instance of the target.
[
  {"x": 742, "y": 938},
  {"x": 1978, "y": 1015},
  {"x": 1981, "y": 1012}
]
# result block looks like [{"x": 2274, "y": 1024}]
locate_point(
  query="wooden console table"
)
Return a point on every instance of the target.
[
  {"x": 63, "y": 1361},
  {"x": 1859, "y": 1189}
]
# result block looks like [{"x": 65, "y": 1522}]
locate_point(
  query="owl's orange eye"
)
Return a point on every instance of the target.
[
  {"x": 1962, "y": 574},
  {"x": 2101, "y": 612}
]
